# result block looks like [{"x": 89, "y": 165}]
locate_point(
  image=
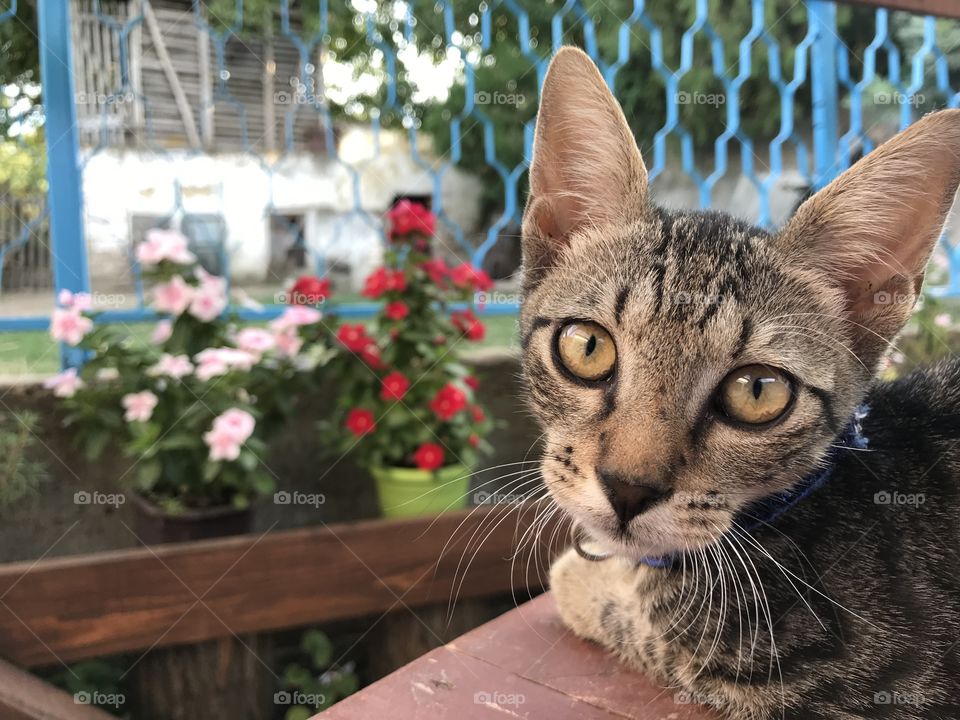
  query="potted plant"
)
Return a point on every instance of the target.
[
  {"x": 405, "y": 403},
  {"x": 194, "y": 404}
]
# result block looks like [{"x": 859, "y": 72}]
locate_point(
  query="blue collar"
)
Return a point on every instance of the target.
[{"x": 771, "y": 507}]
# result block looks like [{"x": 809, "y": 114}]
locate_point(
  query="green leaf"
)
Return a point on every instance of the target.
[
  {"x": 96, "y": 443},
  {"x": 320, "y": 648},
  {"x": 211, "y": 469},
  {"x": 148, "y": 473}
]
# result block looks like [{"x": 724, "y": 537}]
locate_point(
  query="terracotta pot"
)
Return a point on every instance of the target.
[{"x": 155, "y": 526}]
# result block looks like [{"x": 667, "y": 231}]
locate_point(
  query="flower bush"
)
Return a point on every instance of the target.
[
  {"x": 404, "y": 398},
  {"x": 196, "y": 404}
]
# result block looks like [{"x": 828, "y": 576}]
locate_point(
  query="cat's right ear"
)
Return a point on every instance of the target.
[{"x": 586, "y": 169}]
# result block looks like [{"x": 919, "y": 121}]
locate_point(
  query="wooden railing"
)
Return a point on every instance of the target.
[{"x": 69, "y": 609}]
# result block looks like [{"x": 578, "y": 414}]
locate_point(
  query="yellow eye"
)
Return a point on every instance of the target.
[
  {"x": 587, "y": 350},
  {"x": 755, "y": 394}
]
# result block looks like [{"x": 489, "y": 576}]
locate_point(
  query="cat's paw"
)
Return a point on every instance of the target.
[{"x": 585, "y": 591}]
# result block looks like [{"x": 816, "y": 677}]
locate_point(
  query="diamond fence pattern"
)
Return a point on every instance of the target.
[{"x": 326, "y": 112}]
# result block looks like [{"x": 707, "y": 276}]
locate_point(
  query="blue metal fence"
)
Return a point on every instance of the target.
[{"x": 820, "y": 97}]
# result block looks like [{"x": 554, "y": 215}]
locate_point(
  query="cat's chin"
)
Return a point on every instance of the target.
[{"x": 635, "y": 545}]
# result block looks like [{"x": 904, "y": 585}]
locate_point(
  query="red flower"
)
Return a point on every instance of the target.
[
  {"x": 383, "y": 280},
  {"x": 309, "y": 290},
  {"x": 448, "y": 401},
  {"x": 473, "y": 440},
  {"x": 353, "y": 337},
  {"x": 467, "y": 323},
  {"x": 360, "y": 422},
  {"x": 396, "y": 281},
  {"x": 439, "y": 339},
  {"x": 396, "y": 310},
  {"x": 468, "y": 276},
  {"x": 471, "y": 382},
  {"x": 436, "y": 270},
  {"x": 370, "y": 354},
  {"x": 410, "y": 217},
  {"x": 477, "y": 412},
  {"x": 376, "y": 284},
  {"x": 428, "y": 456},
  {"x": 394, "y": 386}
]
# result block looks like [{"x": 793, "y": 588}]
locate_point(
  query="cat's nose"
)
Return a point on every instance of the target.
[{"x": 628, "y": 496}]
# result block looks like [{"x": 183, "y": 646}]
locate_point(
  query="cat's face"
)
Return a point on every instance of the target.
[
  {"x": 684, "y": 365},
  {"x": 715, "y": 374}
]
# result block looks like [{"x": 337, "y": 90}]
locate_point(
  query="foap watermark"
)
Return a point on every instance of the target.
[
  {"x": 495, "y": 297},
  {"x": 84, "y": 497},
  {"x": 896, "y": 97},
  {"x": 496, "y": 97},
  {"x": 700, "y": 98},
  {"x": 313, "y": 500},
  {"x": 107, "y": 300},
  {"x": 298, "y": 697},
  {"x": 496, "y": 697},
  {"x": 893, "y": 497},
  {"x": 299, "y": 93},
  {"x": 99, "y": 98},
  {"x": 296, "y": 297},
  {"x": 894, "y": 697},
  {"x": 482, "y": 497},
  {"x": 698, "y": 299},
  {"x": 100, "y": 699},
  {"x": 686, "y": 697},
  {"x": 884, "y": 297}
]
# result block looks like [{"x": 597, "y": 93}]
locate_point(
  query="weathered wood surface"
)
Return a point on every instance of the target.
[
  {"x": 26, "y": 697},
  {"x": 68, "y": 609},
  {"x": 524, "y": 664}
]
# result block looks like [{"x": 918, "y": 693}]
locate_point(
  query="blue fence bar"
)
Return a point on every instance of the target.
[
  {"x": 823, "y": 23},
  {"x": 819, "y": 67},
  {"x": 69, "y": 253}
]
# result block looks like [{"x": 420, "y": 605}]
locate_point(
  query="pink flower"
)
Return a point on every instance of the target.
[
  {"x": 161, "y": 245},
  {"x": 230, "y": 430},
  {"x": 288, "y": 342},
  {"x": 172, "y": 297},
  {"x": 161, "y": 332},
  {"x": 139, "y": 406},
  {"x": 296, "y": 316},
  {"x": 219, "y": 361},
  {"x": 76, "y": 301},
  {"x": 69, "y": 326},
  {"x": 256, "y": 341},
  {"x": 175, "y": 366},
  {"x": 64, "y": 385},
  {"x": 208, "y": 302},
  {"x": 942, "y": 320},
  {"x": 213, "y": 283}
]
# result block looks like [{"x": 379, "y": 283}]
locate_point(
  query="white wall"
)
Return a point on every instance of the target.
[{"x": 118, "y": 184}]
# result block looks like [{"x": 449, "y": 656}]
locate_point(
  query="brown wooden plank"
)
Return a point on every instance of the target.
[
  {"x": 68, "y": 609},
  {"x": 942, "y": 8},
  {"x": 26, "y": 697},
  {"x": 524, "y": 664}
]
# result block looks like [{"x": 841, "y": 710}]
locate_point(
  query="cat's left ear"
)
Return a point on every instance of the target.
[{"x": 871, "y": 231}]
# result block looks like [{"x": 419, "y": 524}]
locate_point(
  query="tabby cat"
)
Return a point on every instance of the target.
[{"x": 763, "y": 527}]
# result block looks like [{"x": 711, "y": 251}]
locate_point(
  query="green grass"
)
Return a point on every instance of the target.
[{"x": 34, "y": 353}]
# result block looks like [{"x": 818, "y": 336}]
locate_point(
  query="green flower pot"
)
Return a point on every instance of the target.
[{"x": 406, "y": 492}]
